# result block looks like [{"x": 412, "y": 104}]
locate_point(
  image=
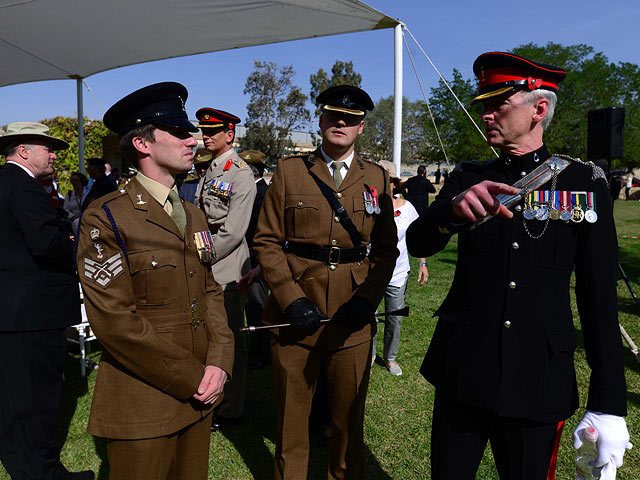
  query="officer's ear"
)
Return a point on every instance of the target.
[
  {"x": 231, "y": 134},
  {"x": 540, "y": 109},
  {"x": 141, "y": 144}
]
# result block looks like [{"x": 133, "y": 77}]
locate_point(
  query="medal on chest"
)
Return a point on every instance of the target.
[
  {"x": 220, "y": 189},
  {"x": 204, "y": 246},
  {"x": 371, "y": 202}
]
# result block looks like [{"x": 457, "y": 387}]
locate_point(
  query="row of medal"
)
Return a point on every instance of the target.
[
  {"x": 204, "y": 246},
  {"x": 371, "y": 200},
  {"x": 560, "y": 205},
  {"x": 220, "y": 189}
]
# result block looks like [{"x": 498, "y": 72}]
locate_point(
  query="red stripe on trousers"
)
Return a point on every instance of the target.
[{"x": 551, "y": 473}]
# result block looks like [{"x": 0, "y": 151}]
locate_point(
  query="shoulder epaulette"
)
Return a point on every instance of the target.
[{"x": 596, "y": 171}]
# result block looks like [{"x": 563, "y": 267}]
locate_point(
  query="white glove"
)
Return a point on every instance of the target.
[{"x": 613, "y": 439}]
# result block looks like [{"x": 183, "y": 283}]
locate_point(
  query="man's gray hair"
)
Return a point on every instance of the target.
[{"x": 533, "y": 95}]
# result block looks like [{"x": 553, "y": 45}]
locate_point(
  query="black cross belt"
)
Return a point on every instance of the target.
[{"x": 328, "y": 255}]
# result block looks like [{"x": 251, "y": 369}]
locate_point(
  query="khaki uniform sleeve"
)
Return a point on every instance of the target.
[
  {"x": 231, "y": 233},
  {"x": 269, "y": 241},
  {"x": 221, "y": 343},
  {"x": 128, "y": 337}
]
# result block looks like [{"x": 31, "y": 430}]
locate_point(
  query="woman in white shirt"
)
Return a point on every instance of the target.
[{"x": 394, "y": 297}]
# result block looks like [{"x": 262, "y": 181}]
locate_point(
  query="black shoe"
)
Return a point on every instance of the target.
[
  {"x": 85, "y": 475},
  {"x": 220, "y": 423}
]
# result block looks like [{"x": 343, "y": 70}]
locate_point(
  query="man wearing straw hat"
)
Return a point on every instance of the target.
[{"x": 39, "y": 298}]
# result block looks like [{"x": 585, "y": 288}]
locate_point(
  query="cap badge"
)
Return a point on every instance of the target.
[
  {"x": 345, "y": 99},
  {"x": 140, "y": 201},
  {"x": 206, "y": 117},
  {"x": 94, "y": 233},
  {"x": 182, "y": 102}
]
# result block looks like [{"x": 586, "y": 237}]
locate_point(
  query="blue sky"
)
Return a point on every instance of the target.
[{"x": 452, "y": 32}]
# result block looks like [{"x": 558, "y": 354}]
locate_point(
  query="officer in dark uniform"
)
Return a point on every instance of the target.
[{"x": 501, "y": 357}]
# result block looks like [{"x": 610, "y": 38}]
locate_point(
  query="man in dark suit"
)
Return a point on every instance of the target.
[
  {"x": 501, "y": 357},
  {"x": 417, "y": 190},
  {"x": 39, "y": 298},
  {"x": 102, "y": 183}
]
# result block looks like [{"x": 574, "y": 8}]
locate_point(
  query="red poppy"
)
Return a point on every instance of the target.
[{"x": 397, "y": 213}]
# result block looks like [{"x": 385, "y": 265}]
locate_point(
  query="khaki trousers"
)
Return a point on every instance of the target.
[
  {"x": 296, "y": 369},
  {"x": 183, "y": 455}
]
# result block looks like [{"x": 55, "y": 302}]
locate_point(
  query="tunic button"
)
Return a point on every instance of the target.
[
  {"x": 333, "y": 242},
  {"x": 299, "y": 204},
  {"x": 339, "y": 195},
  {"x": 191, "y": 273},
  {"x": 515, "y": 245},
  {"x": 154, "y": 263},
  {"x": 507, "y": 324},
  {"x": 336, "y": 219},
  {"x": 518, "y": 208},
  {"x": 332, "y": 267},
  {"x": 512, "y": 285},
  {"x": 522, "y": 174}
]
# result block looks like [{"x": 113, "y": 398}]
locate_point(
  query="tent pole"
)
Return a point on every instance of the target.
[
  {"x": 80, "y": 125},
  {"x": 397, "y": 103}
]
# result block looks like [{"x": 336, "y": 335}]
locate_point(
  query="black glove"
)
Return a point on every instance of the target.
[
  {"x": 304, "y": 315},
  {"x": 356, "y": 311}
]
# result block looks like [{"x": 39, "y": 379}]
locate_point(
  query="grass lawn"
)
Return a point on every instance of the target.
[{"x": 397, "y": 421}]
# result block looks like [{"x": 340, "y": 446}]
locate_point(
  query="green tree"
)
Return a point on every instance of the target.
[
  {"x": 276, "y": 107},
  {"x": 68, "y": 160},
  {"x": 376, "y": 141},
  {"x": 342, "y": 73},
  {"x": 460, "y": 138}
]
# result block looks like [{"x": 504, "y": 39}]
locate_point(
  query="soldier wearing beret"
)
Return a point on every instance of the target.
[
  {"x": 225, "y": 194},
  {"x": 326, "y": 262},
  {"x": 143, "y": 257},
  {"x": 39, "y": 298},
  {"x": 501, "y": 357}
]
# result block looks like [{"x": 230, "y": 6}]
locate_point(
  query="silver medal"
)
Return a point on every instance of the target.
[
  {"x": 528, "y": 214},
  {"x": 591, "y": 216},
  {"x": 566, "y": 215},
  {"x": 377, "y": 210},
  {"x": 542, "y": 213}
]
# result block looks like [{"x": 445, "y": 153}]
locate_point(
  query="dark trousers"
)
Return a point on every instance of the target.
[
  {"x": 31, "y": 365},
  {"x": 522, "y": 449},
  {"x": 256, "y": 299}
]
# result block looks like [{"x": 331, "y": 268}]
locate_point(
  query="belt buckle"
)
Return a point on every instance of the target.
[{"x": 332, "y": 250}]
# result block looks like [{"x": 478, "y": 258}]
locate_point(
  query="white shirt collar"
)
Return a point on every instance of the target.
[
  {"x": 24, "y": 168},
  {"x": 329, "y": 160}
]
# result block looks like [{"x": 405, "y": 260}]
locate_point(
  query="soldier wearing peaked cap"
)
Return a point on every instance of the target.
[
  {"x": 36, "y": 261},
  {"x": 501, "y": 357},
  {"x": 143, "y": 257},
  {"x": 325, "y": 262},
  {"x": 225, "y": 194},
  {"x": 201, "y": 161}
]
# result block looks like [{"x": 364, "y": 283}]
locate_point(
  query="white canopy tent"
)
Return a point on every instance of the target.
[{"x": 59, "y": 39}]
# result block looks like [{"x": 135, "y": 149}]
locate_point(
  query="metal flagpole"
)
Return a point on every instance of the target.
[
  {"x": 397, "y": 104},
  {"x": 80, "y": 125}
]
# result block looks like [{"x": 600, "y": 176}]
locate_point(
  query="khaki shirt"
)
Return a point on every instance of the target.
[{"x": 228, "y": 217}]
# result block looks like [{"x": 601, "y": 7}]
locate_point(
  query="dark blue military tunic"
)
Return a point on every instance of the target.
[{"x": 505, "y": 337}]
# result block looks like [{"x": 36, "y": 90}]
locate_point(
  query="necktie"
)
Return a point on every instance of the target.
[
  {"x": 177, "y": 214},
  {"x": 337, "y": 175}
]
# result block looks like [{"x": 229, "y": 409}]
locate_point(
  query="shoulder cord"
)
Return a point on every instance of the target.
[
  {"x": 337, "y": 207},
  {"x": 596, "y": 171},
  {"x": 117, "y": 234}
]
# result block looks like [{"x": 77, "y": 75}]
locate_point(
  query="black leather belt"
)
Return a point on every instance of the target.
[{"x": 328, "y": 255}]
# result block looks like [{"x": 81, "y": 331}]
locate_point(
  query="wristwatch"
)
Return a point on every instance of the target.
[{"x": 423, "y": 264}]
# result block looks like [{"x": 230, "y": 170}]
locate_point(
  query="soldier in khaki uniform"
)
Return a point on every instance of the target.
[
  {"x": 316, "y": 269},
  {"x": 152, "y": 301},
  {"x": 225, "y": 194}
]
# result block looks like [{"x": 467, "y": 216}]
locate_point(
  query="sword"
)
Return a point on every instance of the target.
[
  {"x": 527, "y": 184},
  {"x": 403, "y": 312}
]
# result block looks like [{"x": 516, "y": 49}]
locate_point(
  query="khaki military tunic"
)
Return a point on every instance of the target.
[
  {"x": 157, "y": 311},
  {"x": 228, "y": 217}
]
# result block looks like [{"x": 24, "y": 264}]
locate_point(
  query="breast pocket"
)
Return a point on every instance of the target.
[
  {"x": 300, "y": 214},
  {"x": 359, "y": 215},
  {"x": 154, "y": 276}
]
